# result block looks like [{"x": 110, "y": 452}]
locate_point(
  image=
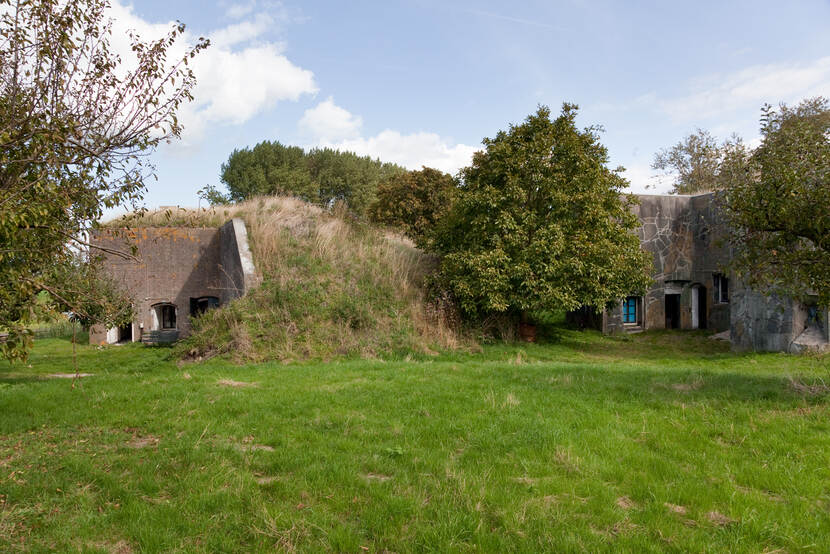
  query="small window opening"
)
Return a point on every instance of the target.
[
  {"x": 721, "y": 288},
  {"x": 198, "y": 306}
]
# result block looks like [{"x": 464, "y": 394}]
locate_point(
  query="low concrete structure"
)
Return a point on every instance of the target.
[
  {"x": 693, "y": 290},
  {"x": 178, "y": 273}
]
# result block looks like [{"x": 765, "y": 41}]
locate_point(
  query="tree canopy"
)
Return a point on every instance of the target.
[
  {"x": 541, "y": 223},
  {"x": 414, "y": 202},
  {"x": 76, "y": 124},
  {"x": 694, "y": 163},
  {"x": 778, "y": 203},
  {"x": 321, "y": 175}
]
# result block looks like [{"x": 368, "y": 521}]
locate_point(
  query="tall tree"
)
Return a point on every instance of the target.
[
  {"x": 541, "y": 222},
  {"x": 415, "y": 202},
  {"x": 321, "y": 175},
  {"x": 778, "y": 202},
  {"x": 76, "y": 125},
  {"x": 269, "y": 168},
  {"x": 694, "y": 163}
]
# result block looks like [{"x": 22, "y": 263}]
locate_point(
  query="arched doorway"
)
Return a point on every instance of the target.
[{"x": 164, "y": 317}]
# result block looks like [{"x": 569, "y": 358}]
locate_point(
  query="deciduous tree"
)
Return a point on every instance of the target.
[
  {"x": 541, "y": 223},
  {"x": 693, "y": 164},
  {"x": 415, "y": 202},
  {"x": 321, "y": 175},
  {"x": 76, "y": 124},
  {"x": 778, "y": 203}
]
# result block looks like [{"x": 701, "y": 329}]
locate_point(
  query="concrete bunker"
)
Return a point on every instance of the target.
[{"x": 178, "y": 274}]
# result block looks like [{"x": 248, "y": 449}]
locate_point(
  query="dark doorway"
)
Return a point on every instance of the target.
[
  {"x": 198, "y": 306},
  {"x": 701, "y": 308},
  {"x": 125, "y": 333},
  {"x": 672, "y": 311}
]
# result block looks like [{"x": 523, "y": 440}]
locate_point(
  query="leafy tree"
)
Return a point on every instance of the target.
[
  {"x": 778, "y": 203},
  {"x": 345, "y": 177},
  {"x": 694, "y": 163},
  {"x": 541, "y": 223},
  {"x": 76, "y": 123},
  {"x": 268, "y": 168},
  {"x": 322, "y": 175},
  {"x": 414, "y": 202}
]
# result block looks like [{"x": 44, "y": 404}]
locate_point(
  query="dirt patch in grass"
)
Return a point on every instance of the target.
[
  {"x": 719, "y": 519},
  {"x": 142, "y": 442},
  {"x": 266, "y": 480},
  {"x": 120, "y": 547},
  {"x": 68, "y": 375},
  {"x": 626, "y": 503},
  {"x": 676, "y": 509},
  {"x": 235, "y": 384},
  {"x": 377, "y": 477}
]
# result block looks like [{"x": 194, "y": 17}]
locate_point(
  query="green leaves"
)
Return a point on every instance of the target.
[
  {"x": 76, "y": 125},
  {"x": 414, "y": 202},
  {"x": 540, "y": 223},
  {"x": 778, "y": 203},
  {"x": 321, "y": 175}
]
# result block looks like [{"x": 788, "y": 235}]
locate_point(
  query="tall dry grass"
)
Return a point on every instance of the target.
[{"x": 330, "y": 287}]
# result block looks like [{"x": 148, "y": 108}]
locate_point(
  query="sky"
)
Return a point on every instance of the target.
[{"x": 422, "y": 82}]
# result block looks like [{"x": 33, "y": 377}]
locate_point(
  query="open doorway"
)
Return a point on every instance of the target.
[
  {"x": 672, "y": 311},
  {"x": 125, "y": 333},
  {"x": 698, "y": 307}
]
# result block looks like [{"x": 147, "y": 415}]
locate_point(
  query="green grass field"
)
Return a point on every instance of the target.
[{"x": 658, "y": 442}]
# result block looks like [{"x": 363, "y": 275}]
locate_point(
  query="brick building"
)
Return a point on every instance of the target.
[{"x": 178, "y": 273}]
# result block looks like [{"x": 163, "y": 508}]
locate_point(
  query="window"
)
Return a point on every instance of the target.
[
  {"x": 721, "y": 288},
  {"x": 630, "y": 310},
  {"x": 168, "y": 316},
  {"x": 198, "y": 306}
]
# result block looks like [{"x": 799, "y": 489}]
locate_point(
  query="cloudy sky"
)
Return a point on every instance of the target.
[{"x": 421, "y": 82}]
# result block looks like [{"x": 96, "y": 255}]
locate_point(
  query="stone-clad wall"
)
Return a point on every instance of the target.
[
  {"x": 682, "y": 234},
  {"x": 175, "y": 265}
]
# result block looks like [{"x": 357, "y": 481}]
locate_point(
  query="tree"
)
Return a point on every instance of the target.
[
  {"x": 321, "y": 175},
  {"x": 778, "y": 203},
  {"x": 266, "y": 169},
  {"x": 694, "y": 163},
  {"x": 76, "y": 125},
  {"x": 541, "y": 223},
  {"x": 414, "y": 202}
]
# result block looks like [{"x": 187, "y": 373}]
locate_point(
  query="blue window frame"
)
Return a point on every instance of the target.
[{"x": 630, "y": 310}]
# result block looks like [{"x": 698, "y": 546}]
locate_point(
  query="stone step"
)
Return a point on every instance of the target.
[{"x": 165, "y": 336}]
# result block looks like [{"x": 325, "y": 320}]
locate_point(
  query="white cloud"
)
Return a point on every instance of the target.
[
  {"x": 328, "y": 122},
  {"x": 644, "y": 180},
  {"x": 412, "y": 151},
  {"x": 238, "y": 11},
  {"x": 717, "y": 95},
  {"x": 241, "y": 32},
  {"x": 329, "y": 125},
  {"x": 236, "y": 79}
]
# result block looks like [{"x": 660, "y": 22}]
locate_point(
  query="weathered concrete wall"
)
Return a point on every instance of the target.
[
  {"x": 238, "y": 274},
  {"x": 764, "y": 323},
  {"x": 175, "y": 265},
  {"x": 682, "y": 234}
]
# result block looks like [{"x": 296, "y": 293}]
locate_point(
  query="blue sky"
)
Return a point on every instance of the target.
[{"x": 421, "y": 82}]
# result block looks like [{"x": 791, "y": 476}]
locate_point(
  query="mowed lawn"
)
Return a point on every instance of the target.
[{"x": 659, "y": 442}]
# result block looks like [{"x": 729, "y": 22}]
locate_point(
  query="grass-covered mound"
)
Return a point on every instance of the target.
[{"x": 330, "y": 287}]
